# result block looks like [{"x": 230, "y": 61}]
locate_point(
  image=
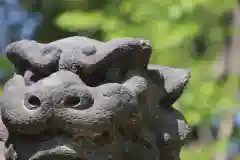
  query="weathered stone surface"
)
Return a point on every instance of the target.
[{"x": 82, "y": 99}]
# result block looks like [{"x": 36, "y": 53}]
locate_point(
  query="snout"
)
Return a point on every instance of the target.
[
  {"x": 85, "y": 111},
  {"x": 27, "y": 112}
]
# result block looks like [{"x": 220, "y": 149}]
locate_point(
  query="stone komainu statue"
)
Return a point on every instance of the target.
[{"x": 82, "y": 99}]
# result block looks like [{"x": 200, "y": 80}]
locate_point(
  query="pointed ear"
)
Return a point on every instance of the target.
[{"x": 173, "y": 80}]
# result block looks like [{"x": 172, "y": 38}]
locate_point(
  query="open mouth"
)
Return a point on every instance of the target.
[
  {"x": 62, "y": 152},
  {"x": 60, "y": 146},
  {"x": 48, "y": 146}
]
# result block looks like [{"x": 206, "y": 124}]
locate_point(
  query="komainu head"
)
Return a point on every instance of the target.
[{"x": 82, "y": 99}]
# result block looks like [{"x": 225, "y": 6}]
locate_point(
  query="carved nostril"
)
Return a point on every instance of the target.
[
  {"x": 34, "y": 101},
  {"x": 72, "y": 101},
  {"x": 82, "y": 101}
]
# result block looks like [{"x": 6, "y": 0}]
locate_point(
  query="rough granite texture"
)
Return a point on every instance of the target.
[{"x": 82, "y": 99}]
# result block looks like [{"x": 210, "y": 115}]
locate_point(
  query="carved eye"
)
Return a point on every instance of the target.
[
  {"x": 46, "y": 51},
  {"x": 114, "y": 74},
  {"x": 32, "y": 102},
  {"x": 34, "y": 78},
  {"x": 49, "y": 49},
  {"x": 89, "y": 50},
  {"x": 82, "y": 101},
  {"x": 31, "y": 78}
]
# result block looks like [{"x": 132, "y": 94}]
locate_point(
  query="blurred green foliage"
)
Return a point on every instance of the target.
[
  {"x": 172, "y": 25},
  {"x": 7, "y": 69},
  {"x": 205, "y": 151}
]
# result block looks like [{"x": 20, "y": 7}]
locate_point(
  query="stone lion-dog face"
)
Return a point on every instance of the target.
[
  {"x": 64, "y": 105},
  {"x": 83, "y": 99}
]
